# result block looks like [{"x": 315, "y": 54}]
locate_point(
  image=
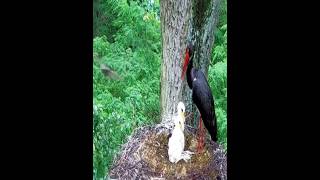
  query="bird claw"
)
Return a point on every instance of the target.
[
  {"x": 188, "y": 152},
  {"x": 186, "y": 155}
]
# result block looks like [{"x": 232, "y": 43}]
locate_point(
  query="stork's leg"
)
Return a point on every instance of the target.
[{"x": 200, "y": 136}]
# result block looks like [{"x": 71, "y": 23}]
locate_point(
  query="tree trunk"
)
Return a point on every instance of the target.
[
  {"x": 174, "y": 17},
  {"x": 183, "y": 21}
]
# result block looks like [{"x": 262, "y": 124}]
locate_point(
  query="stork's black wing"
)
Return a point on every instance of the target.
[{"x": 202, "y": 97}]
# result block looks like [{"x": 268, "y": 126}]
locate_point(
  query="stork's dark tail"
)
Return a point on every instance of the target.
[
  {"x": 214, "y": 133},
  {"x": 214, "y": 136}
]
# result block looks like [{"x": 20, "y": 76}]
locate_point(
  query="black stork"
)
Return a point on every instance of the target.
[{"x": 201, "y": 96}]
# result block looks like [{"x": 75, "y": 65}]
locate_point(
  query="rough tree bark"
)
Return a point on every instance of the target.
[
  {"x": 174, "y": 17},
  {"x": 183, "y": 21}
]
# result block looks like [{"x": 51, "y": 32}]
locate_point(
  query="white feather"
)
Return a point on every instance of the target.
[{"x": 176, "y": 141}]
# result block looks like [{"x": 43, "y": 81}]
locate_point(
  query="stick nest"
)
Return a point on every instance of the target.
[{"x": 145, "y": 156}]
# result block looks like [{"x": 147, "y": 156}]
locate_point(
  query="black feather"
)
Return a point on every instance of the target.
[{"x": 202, "y": 97}]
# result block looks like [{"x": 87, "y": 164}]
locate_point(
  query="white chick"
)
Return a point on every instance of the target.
[{"x": 176, "y": 141}]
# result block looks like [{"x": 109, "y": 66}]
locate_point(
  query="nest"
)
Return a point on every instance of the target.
[{"x": 145, "y": 156}]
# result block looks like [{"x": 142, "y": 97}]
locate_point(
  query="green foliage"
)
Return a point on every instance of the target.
[
  {"x": 217, "y": 75},
  {"x": 103, "y": 16},
  {"x": 223, "y": 13},
  {"x": 127, "y": 38},
  {"x": 122, "y": 105},
  {"x": 218, "y": 83}
]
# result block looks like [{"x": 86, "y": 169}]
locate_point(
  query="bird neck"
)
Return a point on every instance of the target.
[
  {"x": 180, "y": 127},
  {"x": 180, "y": 122},
  {"x": 190, "y": 75}
]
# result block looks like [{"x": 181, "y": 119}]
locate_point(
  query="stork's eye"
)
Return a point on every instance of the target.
[{"x": 181, "y": 110}]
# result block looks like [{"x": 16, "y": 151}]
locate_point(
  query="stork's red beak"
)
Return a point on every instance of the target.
[{"x": 186, "y": 62}]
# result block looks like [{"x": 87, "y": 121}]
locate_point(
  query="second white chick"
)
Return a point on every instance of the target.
[{"x": 176, "y": 141}]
